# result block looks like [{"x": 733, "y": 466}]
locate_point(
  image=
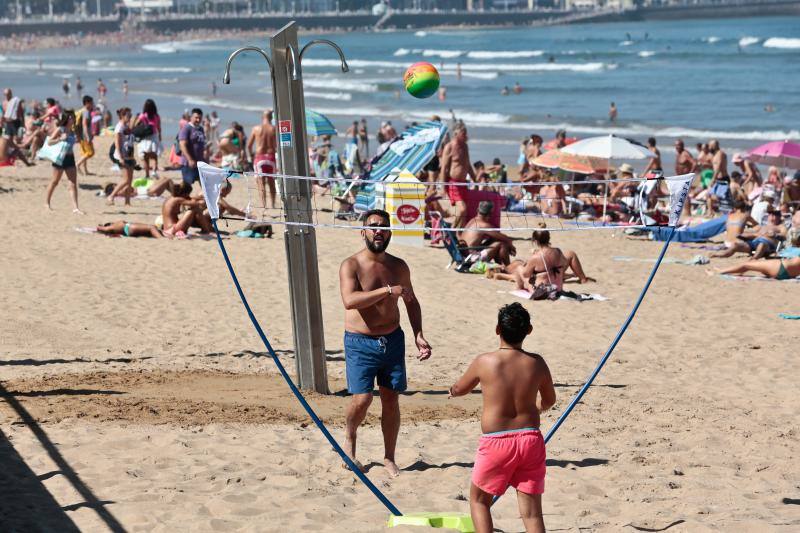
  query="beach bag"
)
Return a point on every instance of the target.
[
  {"x": 142, "y": 130},
  {"x": 54, "y": 152}
]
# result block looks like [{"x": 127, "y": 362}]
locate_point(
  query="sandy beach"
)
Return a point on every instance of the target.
[{"x": 137, "y": 397}]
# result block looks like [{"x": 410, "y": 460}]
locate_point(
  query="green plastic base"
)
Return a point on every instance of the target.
[{"x": 459, "y": 521}]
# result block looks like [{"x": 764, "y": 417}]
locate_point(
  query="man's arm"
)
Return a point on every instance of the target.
[
  {"x": 414, "y": 312},
  {"x": 251, "y": 141},
  {"x": 352, "y": 298},
  {"x": 446, "y": 157},
  {"x": 547, "y": 391},
  {"x": 225, "y": 207},
  {"x": 468, "y": 381},
  {"x": 470, "y": 170}
]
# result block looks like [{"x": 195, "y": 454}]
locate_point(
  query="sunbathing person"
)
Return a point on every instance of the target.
[
  {"x": 762, "y": 242},
  {"x": 513, "y": 271},
  {"x": 180, "y": 188},
  {"x": 130, "y": 229},
  {"x": 771, "y": 268},
  {"x": 738, "y": 219},
  {"x": 202, "y": 218},
  {"x": 177, "y": 214},
  {"x": 494, "y": 245}
]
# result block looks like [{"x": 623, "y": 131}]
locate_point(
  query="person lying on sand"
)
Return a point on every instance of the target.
[
  {"x": 495, "y": 245},
  {"x": 517, "y": 387},
  {"x": 771, "y": 268},
  {"x": 130, "y": 229},
  {"x": 175, "y": 188},
  {"x": 761, "y": 243},
  {"x": 519, "y": 271}
]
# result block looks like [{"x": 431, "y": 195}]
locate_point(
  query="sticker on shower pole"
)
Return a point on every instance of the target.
[{"x": 285, "y": 131}]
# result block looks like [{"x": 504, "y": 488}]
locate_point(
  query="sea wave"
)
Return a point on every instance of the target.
[
  {"x": 782, "y": 42},
  {"x": 646, "y": 53},
  {"x": 444, "y": 54},
  {"x": 173, "y": 47},
  {"x": 626, "y": 43},
  {"x": 482, "y": 67},
  {"x": 401, "y": 52},
  {"x": 345, "y": 97},
  {"x": 711, "y": 40},
  {"x": 76, "y": 67},
  {"x": 747, "y": 41},
  {"x": 503, "y": 54},
  {"x": 421, "y": 34},
  {"x": 475, "y": 75},
  {"x": 340, "y": 85}
]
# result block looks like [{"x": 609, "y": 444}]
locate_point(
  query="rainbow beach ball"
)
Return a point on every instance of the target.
[{"x": 421, "y": 80}]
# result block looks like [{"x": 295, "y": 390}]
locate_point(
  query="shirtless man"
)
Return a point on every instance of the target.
[
  {"x": 720, "y": 180},
  {"x": 174, "y": 222},
  {"x": 455, "y": 168},
  {"x": 752, "y": 176},
  {"x": 495, "y": 245},
  {"x": 261, "y": 147},
  {"x": 517, "y": 387},
  {"x": 654, "y": 165},
  {"x": 684, "y": 162},
  {"x": 371, "y": 283}
]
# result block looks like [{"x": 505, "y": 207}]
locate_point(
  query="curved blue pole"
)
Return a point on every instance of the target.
[
  {"x": 611, "y": 348},
  {"x": 299, "y": 395}
]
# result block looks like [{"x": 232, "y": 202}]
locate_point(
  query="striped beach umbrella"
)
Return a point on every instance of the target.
[
  {"x": 570, "y": 162},
  {"x": 318, "y": 124},
  {"x": 412, "y": 151}
]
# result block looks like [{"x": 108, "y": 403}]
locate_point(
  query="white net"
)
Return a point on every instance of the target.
[{"x": 559, "y": 205}]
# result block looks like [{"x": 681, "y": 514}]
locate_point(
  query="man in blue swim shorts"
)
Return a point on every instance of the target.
[{"x": 371, "y": 283}]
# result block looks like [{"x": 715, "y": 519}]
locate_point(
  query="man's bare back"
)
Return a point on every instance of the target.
[{"x": 264, "y": 139}]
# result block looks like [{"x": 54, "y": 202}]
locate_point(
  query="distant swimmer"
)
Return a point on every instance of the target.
[
  {"x": 504, "y": 91},
  {"x": 517, "y": 88},
  {"x": 458, "y": 71},
  {"x": 79, "y": 87},
  {"x": 628, "y": 37},
  {"x": 769, "y": 108},
  {"x": 125, "y": 89},
  {"x": 213, "y": 88},
  {"x": 551, "y": 59},
  {"x": 612, "y": 112},
  {"x": 65, "y": 87}
]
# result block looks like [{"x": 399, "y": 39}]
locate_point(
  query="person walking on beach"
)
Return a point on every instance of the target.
[
  {"x": 149, "y": 145},
  {"x": 517, "y": 387},
  {"x": 371, "y": 283},
  {"x": 64, "y": 133},
  {"x": 456, "y": 167},
  {"x": 192, "y": 141},
  {"x": 83, "y": 130},
  {"x": 123, "y": 153},
  {"x": 262, "y": 146}
]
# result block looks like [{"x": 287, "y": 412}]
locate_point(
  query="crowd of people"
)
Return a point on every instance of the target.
[{"x": 477, "y": 194}]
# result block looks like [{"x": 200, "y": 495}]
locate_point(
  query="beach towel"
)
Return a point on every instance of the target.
[
  {"x": 756, "y": 278},
  {"x": 696, "y": 260},
  {"x": 788, "y": 253},
  {"x": 700, "y": 233},
  {"x": 563, "y": 295},
  {"x": 711, "y": 247},
  {"x": 788, "y": 316}
]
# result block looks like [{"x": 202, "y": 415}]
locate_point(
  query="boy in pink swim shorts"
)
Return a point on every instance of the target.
[{"x": 516, "y": 386}]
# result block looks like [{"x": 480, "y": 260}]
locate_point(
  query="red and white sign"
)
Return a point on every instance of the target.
[
  {"x": 285, "y": 126},
  {"x": 407, "y": 214}
]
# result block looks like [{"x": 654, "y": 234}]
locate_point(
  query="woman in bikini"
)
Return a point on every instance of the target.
[
  {"x": 231, "y": 147},
  {"x": 738, "y": 220},
  {"x": 130, "y": 229},
  {"x": 535, "y": 271},
  {"x": 771, "y": 268}
]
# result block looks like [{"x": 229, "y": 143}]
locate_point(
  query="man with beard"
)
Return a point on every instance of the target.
[{"x": 371, "y": 283}]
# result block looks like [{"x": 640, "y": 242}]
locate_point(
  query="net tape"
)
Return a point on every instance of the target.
[{"x": 360, "y": 195}]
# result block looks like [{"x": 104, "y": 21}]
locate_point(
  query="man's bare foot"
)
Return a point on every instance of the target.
[
  {"x": 391, "y": 467},
  {"x": 587, "y": 279},
  {"x": 77, "y": 211},
  {"x": 357, "y": 463},
  {"x": 47, "y": 207}
]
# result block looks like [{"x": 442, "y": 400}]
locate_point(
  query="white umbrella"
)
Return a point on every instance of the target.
[{"x": 610, "y": 148}]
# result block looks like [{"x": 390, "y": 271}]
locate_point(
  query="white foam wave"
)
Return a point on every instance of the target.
[
  {"x": 61, "y": 67},
  {"x": 626, "y": 43},
  {"x": 503, "y": 54},
  {"x": 480, "y": 67},
  {"x": 782, "y": 42},
  {"x": 345, "y": 97},
  {"x": 646, "y": 53},
  {"x": 173, "y": 47},
  {"x": 747, "y": 41},
  {"x": 444, "y": 54},
  {"x": 3, "y": 58},
  {"x": 475, "y": 75},
  {"x": 711, "y": 40},
  {"x": 166, "y": 80},
  {"x": 358, "y": 86},
  {"x": 401, "y": 52},
  {"x": 421, "y": 34}
]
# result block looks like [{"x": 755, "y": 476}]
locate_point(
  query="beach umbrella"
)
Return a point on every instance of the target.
[
  {"x": 318, "y": 124},
  {"x": 569, "y": 162},
  {"x": 608, "y": 147},
  {"x": 412, "y": 151},
  {"x": 783, "y": 154}
]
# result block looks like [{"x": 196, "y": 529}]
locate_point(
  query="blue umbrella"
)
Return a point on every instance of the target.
[
  {"x": 318, "y": 124},
  {"x": 415, "y": 148}
]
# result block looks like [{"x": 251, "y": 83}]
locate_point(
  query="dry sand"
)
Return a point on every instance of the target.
[{"x": 138, "y": 397}]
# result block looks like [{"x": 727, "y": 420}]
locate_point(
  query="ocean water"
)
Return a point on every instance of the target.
[{"x": 693, "y": 79}]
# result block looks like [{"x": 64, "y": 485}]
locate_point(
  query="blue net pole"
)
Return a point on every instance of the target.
[
  {"x": 611, "y": 348},
  {"x": 299, "y": 395}
]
